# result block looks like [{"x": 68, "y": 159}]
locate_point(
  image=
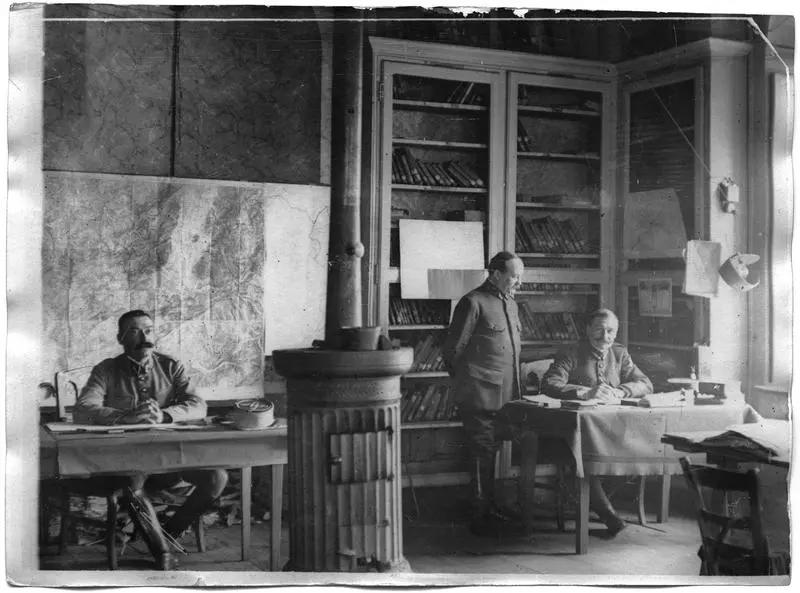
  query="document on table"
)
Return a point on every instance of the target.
[
  {"x": 542, "y": 401},
  {"x": 64, "y": 427}
]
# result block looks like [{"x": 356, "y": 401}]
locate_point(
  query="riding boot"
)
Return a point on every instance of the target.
[
  {"x": 144, "y": 517},
  {"x": 479, "y": 501},
  {"x": 601, "y": 505},
  {"x": 182, "y": 519}
]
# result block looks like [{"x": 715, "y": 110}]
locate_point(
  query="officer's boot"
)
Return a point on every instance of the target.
[
  {"x": 146, "y": 521},
  {"x": 601, "y": 505},
  {"x": 480, "y": 523}
]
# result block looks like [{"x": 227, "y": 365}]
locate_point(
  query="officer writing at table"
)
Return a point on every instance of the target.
[
  {"x": 597, "y": 368},
  {"x": 142, "y": 386}
]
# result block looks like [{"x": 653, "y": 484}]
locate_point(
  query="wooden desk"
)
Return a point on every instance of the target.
[
  {"x": 611, "y": 440},
  {"x": 81, "y": 455}
]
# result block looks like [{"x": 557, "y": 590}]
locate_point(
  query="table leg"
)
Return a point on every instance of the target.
[
  {"x": 663, "y": 507},
  {"x": 527, "y": 478},
  {"x": 640, "y": 500},
  {"x": 582, "y": 520},
  {"x": 275, "y": 514},
  {"x": 247, "y": 486}
]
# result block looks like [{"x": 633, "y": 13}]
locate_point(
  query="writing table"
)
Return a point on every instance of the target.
[
  {"x": 611, "y": 440},
  {"x": 160, "y": 450}
]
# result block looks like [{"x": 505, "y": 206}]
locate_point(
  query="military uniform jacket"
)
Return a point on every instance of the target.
[
  {"x": 581, "y": 366},
  {"x": 117, "y": 386},
  {"x": 482, "y": 349}
]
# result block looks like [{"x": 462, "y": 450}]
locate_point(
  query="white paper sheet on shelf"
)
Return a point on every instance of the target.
[{"x": 436, "y": 245}]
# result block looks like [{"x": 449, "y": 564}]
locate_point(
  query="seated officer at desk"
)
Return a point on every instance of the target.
[
  {"x": 597, "y": 368},
  {"x": 141, "y": 386}
]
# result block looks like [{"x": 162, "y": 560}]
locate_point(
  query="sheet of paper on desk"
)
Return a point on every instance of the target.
[
  {"x": 543, "y": 401},
  {"x": 70, "y": 427},
  {"x": 669, "y": 399}
]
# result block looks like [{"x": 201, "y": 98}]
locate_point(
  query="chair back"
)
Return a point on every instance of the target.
[
  {"x": 733, "y": 540},
  {"x": 68, "y": 384}
]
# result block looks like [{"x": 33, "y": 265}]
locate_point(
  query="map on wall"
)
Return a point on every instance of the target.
[
  {"x": 223, "y": 267},
  {"x": 653, "y": 226}
]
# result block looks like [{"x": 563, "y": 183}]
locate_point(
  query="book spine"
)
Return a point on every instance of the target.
[
  {"x": 419, "y": 413},
  {"x": 471, "y": 174},
  {"x": 430, "y": 411},
  {"x": 456, "y": 174},
  {"x": 554, "y": 242},
  {"x": 426, "y": 173}
]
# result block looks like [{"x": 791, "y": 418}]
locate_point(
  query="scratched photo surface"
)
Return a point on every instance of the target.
[{"x": 189, "y": 161}]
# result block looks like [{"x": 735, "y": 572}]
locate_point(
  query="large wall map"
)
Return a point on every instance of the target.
[{"x": 192, "y": 252}]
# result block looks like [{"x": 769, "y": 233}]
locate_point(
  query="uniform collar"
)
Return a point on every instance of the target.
[
  {"x": 487, "y": 286},
  {"x": 140, "y": 367},
  {"x": 594, "y": 353}
]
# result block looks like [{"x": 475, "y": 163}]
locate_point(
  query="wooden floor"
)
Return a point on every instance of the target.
[{"x": 436, "y": 540}]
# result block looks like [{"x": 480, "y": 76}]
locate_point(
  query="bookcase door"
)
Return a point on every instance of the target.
[
  {"x": 662, "y": 146},
  {"x": 440, "y": 155},
  {"x": 559, "y": 197}
]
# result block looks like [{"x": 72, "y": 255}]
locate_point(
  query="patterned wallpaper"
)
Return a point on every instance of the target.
[
  {"x": 190, "y": 252},
  {"x": 247, "y": 94}
]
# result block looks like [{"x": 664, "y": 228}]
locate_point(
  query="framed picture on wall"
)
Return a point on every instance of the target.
[{"x": 655, "y": 297}]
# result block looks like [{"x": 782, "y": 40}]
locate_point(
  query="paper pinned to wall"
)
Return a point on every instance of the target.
[
  {"x": 436, "y": 245},
  {"x": 652, "y": 225},
  {"x": 702, "y": 266},
  {"x": 296, "y": 228}
]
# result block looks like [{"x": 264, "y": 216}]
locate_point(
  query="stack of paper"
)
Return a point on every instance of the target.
[
  {"x": 542, "y": 401},
  {"x": 669, "y": 399}
]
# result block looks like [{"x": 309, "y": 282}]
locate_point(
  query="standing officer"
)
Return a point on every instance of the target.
[{"x": 482, "y": 355}]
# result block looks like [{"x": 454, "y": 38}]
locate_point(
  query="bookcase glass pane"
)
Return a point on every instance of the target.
[
  {"x": 440, "y": 152},
  {"x": 662, "y": 138},
  {"x": 558, "y": 177}
]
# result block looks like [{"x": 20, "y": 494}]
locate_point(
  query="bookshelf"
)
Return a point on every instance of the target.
[
  {"x": 445, "y": 147},
  {"x": 559, "y": 208}
]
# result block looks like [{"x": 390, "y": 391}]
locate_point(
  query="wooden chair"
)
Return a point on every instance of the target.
[
  {"x": 732, "y": 538},
  {"x": 551, "y": 460},
  {"x": 66, "y": 386}
]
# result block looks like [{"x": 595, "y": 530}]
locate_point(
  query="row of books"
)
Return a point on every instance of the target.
[
  {"x": 549, "y": 235},
  {"x": 411, "y": 171},
  {"x": 548, "y": 326},
  {"x": 428, "y": 355},
  {"x": 427, "y": 403},
  {"x": 418, "y": 311},
  {"x": 556, "y": 287}
]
